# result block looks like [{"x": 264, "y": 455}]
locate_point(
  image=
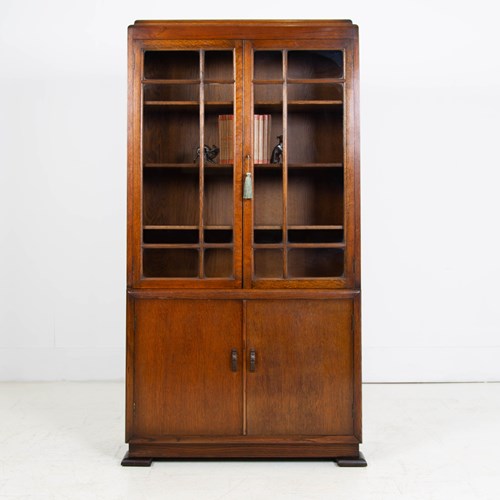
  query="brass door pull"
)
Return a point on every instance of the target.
[
  {"x": 252, "y": 360},
  {"x": 234, "y": 360}
]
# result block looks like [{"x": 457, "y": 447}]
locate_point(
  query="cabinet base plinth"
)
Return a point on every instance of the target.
[
  {"x": 144, "y": 454},
  {"x": 358, "y": 461},
  {"x": 129, "y": 461}
]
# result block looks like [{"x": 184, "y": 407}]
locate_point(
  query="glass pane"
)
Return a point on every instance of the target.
[
  {"x": 262, "y": 236},
  {"x": 311, "y": 235},
  {"x": 218, "y": 198},
  {"x": 315, "y": 64},
  {"x": 171, "y": 134},
  {"x": 218, "y": 235},
  {"x": 170, "y": 263},
  {"x": 315, "y": 262},
  {"x": 184, "y": 93},
  {"x": 267, "y": 96},
  {"x": 219, "y": 123},
  {"x": 220, "y": 93},
  {"x": 315, "y": 92},
  {"x": 268, "y": 263},
  {"x": 268, "y": 65},
  {"x": 218, "y": 263},
  {"x": 315, "y": 196},
  {"x": 172, "y": 65},
  {"x": 268, "y": 196},
  {"x": 177, "y": 236},
  {"x": 219, "y": 65},
  {"x": 315, "y": 135},
  {"x": 171, "y": 197}
]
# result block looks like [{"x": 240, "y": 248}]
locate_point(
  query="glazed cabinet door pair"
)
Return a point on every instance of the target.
[
  {"x": 242, "y": 164},
  {"x": 254, "y": 368}
]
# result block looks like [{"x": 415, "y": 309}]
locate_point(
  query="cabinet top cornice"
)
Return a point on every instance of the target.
[{"x": 242, "y": 29}]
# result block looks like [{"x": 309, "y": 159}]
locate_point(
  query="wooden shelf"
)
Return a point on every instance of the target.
[
  {"x": 291, "y": 226},
  {"x": 163, "y": 228},
  {"x": 314, "y": 104},
  {"x": 315, "y": 245},
  {"x": 187, "y": 246},
  {"x": 217, "y": 245},
  {"x": 298, "y": 165},
  {"x": 161, "y": 81},
  {"x": 208, "y": 166},
  {"x": 168, "y": 228},
  {"x": 190, "y": 105},
  {"x": 304, "y": 105},
  {"x": 314, "y": 227},
  {"x": 298, "y": 245},
  {"x": 171, "y": 165},
  {"x": 211, "y": 81},
  {"x": 315, "y": 80},
  {"x": 268, "y": 245},
  {"x": 315, "y": 165},
  {"x": 171, "y": 245},
  {"x": 268, "y": 82}
]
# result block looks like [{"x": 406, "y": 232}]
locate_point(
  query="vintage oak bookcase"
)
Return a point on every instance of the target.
[{"x": 243, "y": 314}]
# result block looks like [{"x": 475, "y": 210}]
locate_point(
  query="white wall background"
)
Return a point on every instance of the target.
[{"x": 430, "y": 73}]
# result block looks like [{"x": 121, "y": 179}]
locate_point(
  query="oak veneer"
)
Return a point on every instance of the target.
[{"x": 243, "y": 316}]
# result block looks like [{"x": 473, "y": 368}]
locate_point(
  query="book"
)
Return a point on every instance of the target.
[
  {"x": 262, "y": 138},
  {"x": 226, "y": 139}
]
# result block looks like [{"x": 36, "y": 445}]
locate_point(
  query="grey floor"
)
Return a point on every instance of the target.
[{"x": 422, "y": 442}]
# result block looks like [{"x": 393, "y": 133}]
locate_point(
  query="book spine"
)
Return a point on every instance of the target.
[
  {"x": 255, "y": 139},
  {"x": 226, "y": 139},
  {"x": 261, "y": 138},
  {"x": 230, "y": 138}
]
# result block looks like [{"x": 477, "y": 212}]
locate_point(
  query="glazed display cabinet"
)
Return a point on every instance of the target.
[{"x": 243, "y": 297}]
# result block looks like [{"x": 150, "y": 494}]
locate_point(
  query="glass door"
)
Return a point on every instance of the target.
[
  {"x": 300, "y": 223},
  {"x": 190, "y": 233}
]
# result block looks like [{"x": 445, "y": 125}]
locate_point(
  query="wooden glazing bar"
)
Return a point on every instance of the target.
[
  {"x": 201, "y": 271},
  {"x": 285, "y": 160},
  {"x": 248, "y": 205}
]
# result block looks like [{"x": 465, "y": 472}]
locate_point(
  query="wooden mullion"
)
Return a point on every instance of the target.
[
  {"x": 248, "y": 205},
  {"x": 201, "y": 270},
  {"x": 238, "y": 114},
  {"x": 285, "y": 163}
]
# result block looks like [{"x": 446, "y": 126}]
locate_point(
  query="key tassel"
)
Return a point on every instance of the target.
[{"x": 247, "y": 188}]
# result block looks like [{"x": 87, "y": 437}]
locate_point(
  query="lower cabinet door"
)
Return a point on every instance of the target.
[
  {"x": 299, "y": 367},
  {"x": 188, "y": 376}
]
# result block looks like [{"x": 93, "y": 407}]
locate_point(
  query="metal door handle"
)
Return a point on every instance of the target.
[
  {"x": 252, "y": 360},
  {"x": 234, "y": 360}
]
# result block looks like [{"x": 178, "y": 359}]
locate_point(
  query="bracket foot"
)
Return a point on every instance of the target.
[
  {"x": 136, "y": 461},
  {"x": 358, "y": 461}
]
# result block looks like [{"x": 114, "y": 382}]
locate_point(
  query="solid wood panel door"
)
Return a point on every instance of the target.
[
  {"x": 185, "y": 378},
  {"x": 301, "y": 381}
]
